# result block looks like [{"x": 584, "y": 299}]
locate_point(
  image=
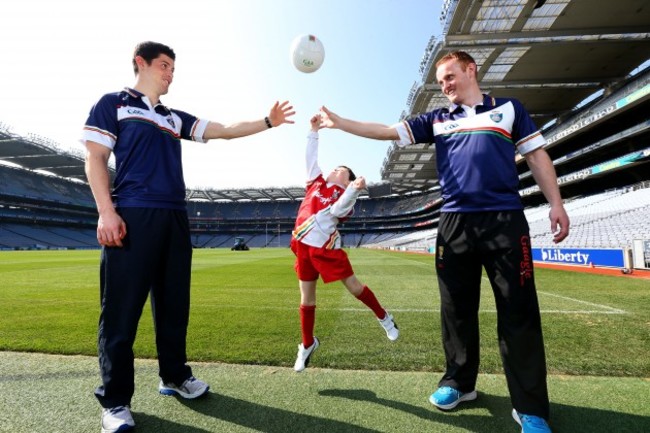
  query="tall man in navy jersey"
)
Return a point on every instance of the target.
[
  {"x": 482, "y": 225},
  {"x": 143, "y": 226}
]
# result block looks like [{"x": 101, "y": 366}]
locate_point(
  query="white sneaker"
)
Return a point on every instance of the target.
[
  {"x": 392, "y": 331},
  {"x": 191, "y": 388},
  {"x": 117, "y": 419},
  {"x": 302, "y": 359}
]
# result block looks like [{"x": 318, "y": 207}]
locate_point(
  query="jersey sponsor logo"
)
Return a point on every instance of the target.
[
  {"x": 169, "y": 124},
  {"x": 497, "y": 121},
  {"x": 326, "y": 200},
  {"x": 321, "y": 198}
]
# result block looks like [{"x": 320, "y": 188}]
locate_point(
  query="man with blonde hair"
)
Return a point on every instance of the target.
[{"x": 482, "y": 225}]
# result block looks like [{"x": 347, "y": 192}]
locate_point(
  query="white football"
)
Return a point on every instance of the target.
[{"x": 307, "y": 53}]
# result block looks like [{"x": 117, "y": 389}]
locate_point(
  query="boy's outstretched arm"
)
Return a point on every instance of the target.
[{"x": 311, "y": 153}]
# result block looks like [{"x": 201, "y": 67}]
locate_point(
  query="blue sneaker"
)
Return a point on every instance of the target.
[
  {"x": 447, "y": 398},
  {"x": 531, "y": 423}
]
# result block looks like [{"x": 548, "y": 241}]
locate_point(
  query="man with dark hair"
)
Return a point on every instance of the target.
[
  {"x": 482, "y": 224},
  {"x": 143, "y": 226},
  {"x": 149, "y": 51}
]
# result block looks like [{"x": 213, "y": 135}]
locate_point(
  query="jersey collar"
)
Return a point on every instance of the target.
[
  {"x": 488, "y": 101},
  {"x": 136, "y": 94}
]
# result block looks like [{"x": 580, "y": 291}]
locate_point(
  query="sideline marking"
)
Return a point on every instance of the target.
[
  {"x": 608, "y": 310},
  {"x": 603, "y": 309}
]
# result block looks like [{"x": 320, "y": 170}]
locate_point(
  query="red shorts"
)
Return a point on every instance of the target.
[{"x": 331, "y": 265}]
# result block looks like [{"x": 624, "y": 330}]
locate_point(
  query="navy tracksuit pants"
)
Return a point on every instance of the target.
[{"x": 155, "y": 259}]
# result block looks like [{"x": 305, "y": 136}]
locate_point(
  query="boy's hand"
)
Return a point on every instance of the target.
[
  {"x": 359, "y": 183},
  {"x": 315, "y": 122}
]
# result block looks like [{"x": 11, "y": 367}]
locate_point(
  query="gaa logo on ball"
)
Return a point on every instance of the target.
[{"x": 307, "y": 53}]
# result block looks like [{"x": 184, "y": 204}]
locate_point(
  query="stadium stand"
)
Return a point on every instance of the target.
[
  {"x": 39, "y": 211},
  {"x": 612, "y": 219}
]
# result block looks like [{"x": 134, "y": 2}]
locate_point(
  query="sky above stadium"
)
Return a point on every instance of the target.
[{"x": 232, "y": 64}]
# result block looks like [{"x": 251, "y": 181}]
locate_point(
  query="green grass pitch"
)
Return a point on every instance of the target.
[{"x": 245, "y": 314}]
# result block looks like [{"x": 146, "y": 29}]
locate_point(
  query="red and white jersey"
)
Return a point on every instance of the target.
[{"x": 324, "y": 206}]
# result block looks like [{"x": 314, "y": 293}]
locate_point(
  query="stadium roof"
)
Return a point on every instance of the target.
[
  {"x": 38, "y": 153},
  {"x": 549, "y": 54},
  {"x": 271, "y": 194}
]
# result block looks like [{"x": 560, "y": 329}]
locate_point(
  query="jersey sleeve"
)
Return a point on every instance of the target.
[
  {"x": 416, "y": 130},
  {"x": 525, "y": 133},
  {"x": 192, "y": 127},
  {"x": 344, "y": 206},
  {"x": 102, "y": 124},
  {"x": 311, "y": 157}
]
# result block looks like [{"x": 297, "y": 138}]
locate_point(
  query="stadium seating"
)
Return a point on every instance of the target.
[
  {"x": 613, "y": 219},
  {"x": 59, "y": 214},
  {"x": 27, "y": 184},
  {"x": 23, "y": 236}
]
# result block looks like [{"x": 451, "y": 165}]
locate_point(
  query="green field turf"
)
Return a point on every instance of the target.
[
  {"x": 245, "y": 310},
  {"x": 53, "y": 394},
  {"x": 244, "y": 324}
]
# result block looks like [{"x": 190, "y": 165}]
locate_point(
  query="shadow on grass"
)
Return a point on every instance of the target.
[
  {"x": 264, "y": 418},
  {"x": 152, "y": 424},
  {"x": 472, "y": 423},
  {"x": 564, "y": 418}
]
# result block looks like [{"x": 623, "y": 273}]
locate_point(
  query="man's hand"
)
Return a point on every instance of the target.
[
  {"x": 559, "y": 223},
  {"x": 328, "y": 118},
  {"x": 111, "y": 229},
  {"x": 280, "y": 113}
]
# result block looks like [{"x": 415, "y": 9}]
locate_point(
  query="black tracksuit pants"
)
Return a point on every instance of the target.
[{"x": 500, "y": 243}]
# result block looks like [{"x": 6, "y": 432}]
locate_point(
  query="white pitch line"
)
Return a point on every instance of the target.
[
  {"x": 611, "y": 310},
  {"x": 604, "y": 309},
  {"x": 411, "y": 310},
  {"x": 436, "y": 310}
]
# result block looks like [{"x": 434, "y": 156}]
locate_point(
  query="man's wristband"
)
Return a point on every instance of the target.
[{"x": 268, "y": 122}]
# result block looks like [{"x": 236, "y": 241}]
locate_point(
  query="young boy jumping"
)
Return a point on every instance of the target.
[{"x": 316, "y": 243}]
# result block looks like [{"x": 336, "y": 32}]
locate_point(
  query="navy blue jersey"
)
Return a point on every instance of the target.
[
  {"x": 476, "y": 154},
  {"x": 146, "y": 141}
]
